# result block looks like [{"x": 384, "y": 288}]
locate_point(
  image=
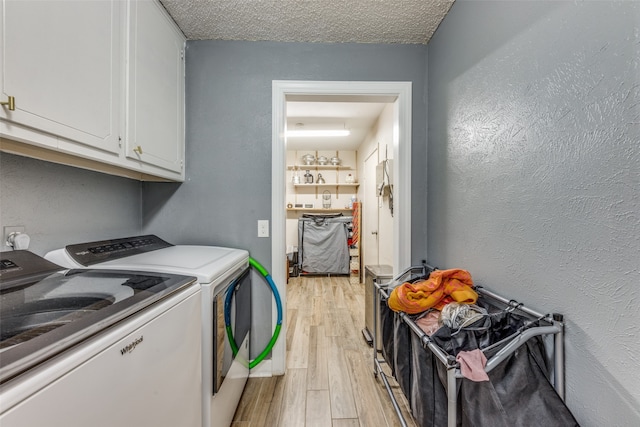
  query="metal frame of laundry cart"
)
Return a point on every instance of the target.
[{"x": 551, "y": 329}]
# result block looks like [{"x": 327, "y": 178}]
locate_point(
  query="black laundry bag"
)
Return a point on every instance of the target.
[
  {"x": 485, "y": 332},
  {"x": 396, "y": 346},
  {"x": 428, "y": 397},
  {"x": 518, "y": 393},
  {"x": 402, "y": 354},
  {"x": 386, "y": 330}
]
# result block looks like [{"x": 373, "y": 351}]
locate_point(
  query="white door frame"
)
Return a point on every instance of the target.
[{"x": 401, "y": 175}]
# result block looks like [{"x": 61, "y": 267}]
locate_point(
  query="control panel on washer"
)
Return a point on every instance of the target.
[{"x": 107, "y": 250}]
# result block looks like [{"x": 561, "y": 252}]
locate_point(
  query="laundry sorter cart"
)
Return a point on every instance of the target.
[
  {"x": 323, "y": 243},
  {"x": 524, "y": 351}
]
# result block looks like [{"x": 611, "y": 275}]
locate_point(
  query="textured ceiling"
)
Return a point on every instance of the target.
[{"x": 328, "y": 21}]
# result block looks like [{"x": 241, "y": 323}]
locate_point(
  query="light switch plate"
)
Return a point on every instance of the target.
[{"x": 263, "y": 228}]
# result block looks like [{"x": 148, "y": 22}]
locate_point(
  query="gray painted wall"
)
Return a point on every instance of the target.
[
  {"x": 228, "y": 183},
  {"x": 534, "y": 176},
  {"x": 59, "y": 204}
]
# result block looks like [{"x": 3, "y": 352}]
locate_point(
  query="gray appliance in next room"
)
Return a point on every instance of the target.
[
  {"x": 323, "y": 246},
  {"x": 373, "y": 274}
]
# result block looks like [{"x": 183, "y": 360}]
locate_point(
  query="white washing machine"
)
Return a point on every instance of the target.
[
  {"x": 92, "y": 347},
  {"x": 218, "y": 270}
]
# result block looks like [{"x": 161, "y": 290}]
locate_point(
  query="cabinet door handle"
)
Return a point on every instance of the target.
[
  {"x": 11, "y": 103},
  {"x": 138, "y": 150}
]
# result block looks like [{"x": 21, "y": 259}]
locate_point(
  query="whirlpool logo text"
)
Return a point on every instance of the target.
[{"x": 130, "y": 347}]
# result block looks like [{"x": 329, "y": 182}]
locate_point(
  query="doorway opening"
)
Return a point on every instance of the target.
[{"x": 400, "y": 146}]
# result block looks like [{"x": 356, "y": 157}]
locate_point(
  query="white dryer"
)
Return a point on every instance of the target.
[{"x": 218, "y": 270}]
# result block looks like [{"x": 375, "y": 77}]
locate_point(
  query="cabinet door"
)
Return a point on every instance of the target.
[
  {"x": 155, "y": 107},
  {"x": 61, "y": 63}
]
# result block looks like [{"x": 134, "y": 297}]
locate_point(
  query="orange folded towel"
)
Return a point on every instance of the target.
[{"x": 441, "y": 288}]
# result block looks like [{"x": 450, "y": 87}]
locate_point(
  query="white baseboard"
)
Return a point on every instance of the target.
[{"x": 262, "y": 370}]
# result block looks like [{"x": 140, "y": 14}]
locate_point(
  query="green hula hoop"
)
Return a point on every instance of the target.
[{"x": 227, "y": 315}]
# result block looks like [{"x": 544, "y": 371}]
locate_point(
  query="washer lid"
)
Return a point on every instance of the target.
[
  {"x": 42, "y": 317},
  {"x": 19, "y": 266}
]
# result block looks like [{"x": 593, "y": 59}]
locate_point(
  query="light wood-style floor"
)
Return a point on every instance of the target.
[{"x": 329, "y": 379}]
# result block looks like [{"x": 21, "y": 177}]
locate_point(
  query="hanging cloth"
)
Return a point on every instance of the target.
[{"x": 472, "y": 365}]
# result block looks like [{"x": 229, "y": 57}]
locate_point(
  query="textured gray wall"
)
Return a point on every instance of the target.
[
  {"x": 228, "y": 182},
  {"x": 534, "y": 176},
  {"x": 59, "y": 204}
]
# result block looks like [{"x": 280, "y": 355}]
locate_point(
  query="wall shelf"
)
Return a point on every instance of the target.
[
  {"x": 319, "y": 210},
  {"x": 328, "y": 184},
  {"x": 319, "y": 167}
]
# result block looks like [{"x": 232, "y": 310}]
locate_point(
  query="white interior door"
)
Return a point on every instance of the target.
[{"x": 370, "y": 212}]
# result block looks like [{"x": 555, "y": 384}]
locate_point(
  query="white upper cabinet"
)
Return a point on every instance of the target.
[
  {"x": 97, "y": 84},
  {"x": 61, "y": 61},
  {"x": 155, "y": 76}
]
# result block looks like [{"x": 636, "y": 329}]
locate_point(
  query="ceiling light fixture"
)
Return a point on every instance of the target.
[{"x": 318, "y": 133}]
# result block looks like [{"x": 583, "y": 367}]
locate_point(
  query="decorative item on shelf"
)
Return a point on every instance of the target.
[
  {"x": 296, "y": 177},
  {"x": 308, "y": 178},
  {"x": 308, "y": 159},
  {"x": 308, "y": 205},
  {"x": 349, "y": 179},
  {"x": 335, "y": 161},
  {"x": 326, "y": 199},
  {"x": 322, "y": 160},
  {"x": 298, "y": 205},
  {"x": 289, "y": 206},
  {"x": 320, "y": 179}
]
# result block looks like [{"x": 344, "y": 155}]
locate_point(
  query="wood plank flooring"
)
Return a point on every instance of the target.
[{"x": 329, "y": 379}]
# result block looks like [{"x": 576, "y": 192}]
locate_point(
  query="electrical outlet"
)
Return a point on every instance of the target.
[
  {"x": 8, "y": 229},
  {"x": 263, "y": 228}
]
